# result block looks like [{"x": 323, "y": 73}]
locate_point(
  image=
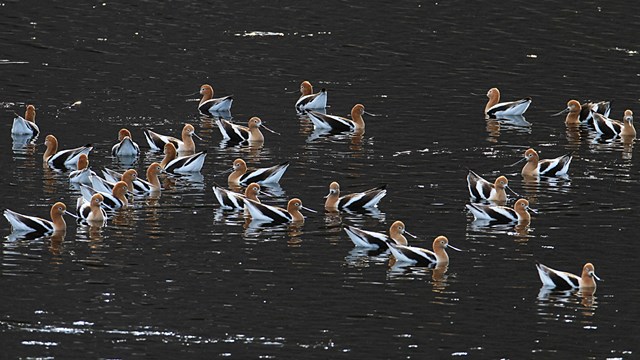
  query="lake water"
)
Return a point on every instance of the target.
[{"x": 178, "y": 277}]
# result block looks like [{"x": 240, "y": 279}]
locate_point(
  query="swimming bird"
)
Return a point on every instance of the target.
[
  {"x": 92, "y": 211},
  {"x": 27, "y": 223},
  {"x": 355, "y": 201},
  {"x": 139, "y": 185},
  {"x": 153, "y": 181},
  {"x": 502, "y": 214},
  {"x": 209, "y": 106},
  {"x": 125, "y": 146},
  {"x": 268, "y": 175},
  {"x": 173, "y": 164},
  {"x": 481, "y": 189},
  {"x": 581, "y": 113},
  {"x": 423, "y": 257},
  {"x": 309, "y": 100},
  {"x": 26, "y": 125},
  {"x": 232, "y": 200},
  {"x": 239, "y": 133},
  {"x": 338, "y": 123},
  {"x": 274, "y": 214},
  {"x": 113, "y": 200},
  {"x": 62, "y": 159},
  {"x": 496, "y": 108},
  {"x": 549, "y": 167},
  {"x": 130, "y": 176},
  {"x": 566, "y": 281},
  {"x": 376, "y": 240},
  {"x": 610, "y": 127},
  {"x": 186, "y": 145},
  {"x": 83, "y": 172}
]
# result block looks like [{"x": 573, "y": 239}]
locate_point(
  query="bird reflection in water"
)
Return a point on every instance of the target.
[
  {"x": 48, "y": 180},
  {"x": 333, "y": 219},
  {"x": 57, "y": 238},
  {"x": 438, "y": 272},
  {"x": 23, "y": 145},
  {"x": 627, "y": 146},
  {"x": 493, "y": 129},
  {"x": 583, "y": 299},
  {"x": 573, "y": 136},
  {"x": 517, "y": 123}
]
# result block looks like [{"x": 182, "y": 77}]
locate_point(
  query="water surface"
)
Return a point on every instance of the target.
[{"x": 177, "y": 276}]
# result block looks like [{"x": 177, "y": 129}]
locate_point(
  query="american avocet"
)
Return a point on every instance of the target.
[
  {"x": 338, "y": 123},
  {"x": 186, "y": 145},
  {"x": 496, "y": 108},
  {"x": 232, "y": 200},
  {"x": 549, "y": 167},
  {"x": 573, "y": 111},
  {"x": 581, "y": 113},
  {"x": 106, "y": 185},
  {"x": 610, "y": 127},
  {"x": 173, "y": 164},
  {"x": 423, "y": 257},
  {"x": 376, "y": 240},
  {"x": 268, "y": 175},
  {"x": 26, "y": 125},
  {"x": 309, "y": 100},
  {"x": 64, "y": 158},
  {"x": 481, "y": 189},
  {"x": 239, "y": 133},
  {"x": 125, "y": 146},
  {"x": 209, "y": 106},
  {"x": 566, "y": 281},
  {"x": 26, "y": 223},
  {"x": 83, "y": 172},
  {"x": 267, "y": 213},
  {"x": 519, "y": 212},
  {"x": 355, "y": 201},
  {"x": 153, "y": 181},
  {"x": 92, "y": 211},
  {"x": 139, "y": 185},
  {"x": 113, "y": 200}
]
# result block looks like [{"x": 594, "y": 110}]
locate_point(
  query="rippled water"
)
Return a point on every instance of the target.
[{"x": 177, "y": 276}]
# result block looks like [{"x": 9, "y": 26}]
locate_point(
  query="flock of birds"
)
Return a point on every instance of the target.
[{"x": 109, "y": 192}]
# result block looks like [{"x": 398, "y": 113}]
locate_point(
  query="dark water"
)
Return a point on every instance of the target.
[{"x": 179, "y": 277}]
